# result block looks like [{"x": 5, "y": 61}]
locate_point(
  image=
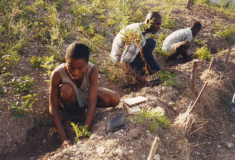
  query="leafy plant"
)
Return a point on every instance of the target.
[
  {"x": 37, "y": 62},
  {"x": 22, "y": 110},
  {"x": 93, "y": 60},
  {"x": 49, "y": 63},
  {"x": 80, "y": 131},
  {"x": 167, "y": 21},
  {"x": 160, "y": 39},
  {"x": 156, "y": 116},
  {"x": 228, "y": 33},
  {"x": 23, "y": 84},
  {"x": 203, "y": 53},
  {"x": 199, "y": 42},
  {"x": 167, "y": 78}
]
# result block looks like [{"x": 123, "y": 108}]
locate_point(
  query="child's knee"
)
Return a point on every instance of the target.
[
  {"x": 115, "y": 99},
  {"x": 67, "y": 92}
]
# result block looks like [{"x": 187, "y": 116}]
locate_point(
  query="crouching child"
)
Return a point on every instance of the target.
[{"x": 74, "y": 86}]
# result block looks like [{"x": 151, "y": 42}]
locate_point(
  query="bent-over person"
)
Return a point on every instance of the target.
[
  {"x": 130, "y": 57},
  {"x": 74, "y": 86},
  {"x": 178, "y": 42}
]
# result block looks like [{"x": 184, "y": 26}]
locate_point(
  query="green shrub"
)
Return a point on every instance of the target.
[
  {"x": 168, "y": 78},
  {"x": 228, "y": 33},
  {"x": 20, "y": 111},
  {"x": 36, "y": 62},
  {"x": 203, "y": 53},
  {"x": 156, "y": 116}
]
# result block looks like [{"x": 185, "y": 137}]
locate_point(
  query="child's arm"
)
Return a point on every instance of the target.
[
  {"x": 53, "y": 107},
  {"x": 92, "y": 97}
]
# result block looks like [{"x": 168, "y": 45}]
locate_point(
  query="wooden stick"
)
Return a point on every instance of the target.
[
  {"x": 198, "y": 97},
  {"x": 227, "y": 56},
  {"x": 194, "y": 77},
  {"x": 211, "y": 63},
  {"x": 188, "y": 4},
  {"x": 154, "y": 148}
]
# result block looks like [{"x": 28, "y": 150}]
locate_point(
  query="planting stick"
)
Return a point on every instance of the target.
[
  {"x": 188, "y": 4},
  {"x": 211, "y": 63},
  {"x": 227, "y": 56},
  {"x": 154, "y": 148},
  {"x": 194, "y": 77},
  {"x": 198, "y": 97}
]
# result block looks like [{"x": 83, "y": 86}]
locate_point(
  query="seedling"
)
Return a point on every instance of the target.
[
  {"x": 167, "y": 78},
  {"x": 22, "y": 110},
  {"x": 80, "y": 131},
  {"x": 36, "y": 62},
  {"x": 203, "y": 53},
  {"x": 23, "y": 84},
  {"x": 156, "y": 117}
]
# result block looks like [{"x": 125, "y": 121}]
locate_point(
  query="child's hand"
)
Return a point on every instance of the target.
[{"x": 66, "y": 144}]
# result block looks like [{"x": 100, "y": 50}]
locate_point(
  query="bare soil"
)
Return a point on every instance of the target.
[{"x": 216, "y": 140}]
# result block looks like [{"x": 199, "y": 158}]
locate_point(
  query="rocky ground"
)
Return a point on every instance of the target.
[{"x": 212, "y": 136}]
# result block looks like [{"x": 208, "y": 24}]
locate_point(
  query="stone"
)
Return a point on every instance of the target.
[
  {"x": 172, "y": 104},
  {"x": 77, "y": 153},
  {"x": 166, "y": 98},
  {"x": 168, "y": 139},
  {"x": 100, "y": 150},
  {"x": 133, "y": 133},
  {"x": 156, "y": 157},
  {"x": 102, "y": 128},
  {"x": 160, "y": 151},
  {"x": 119, "y": 152},
  {"x": 51, "y": 131},
  {"x": 229, "y": 145},
  {"x": 149, "y": 135},
  {"x": 164, "y": 90}
]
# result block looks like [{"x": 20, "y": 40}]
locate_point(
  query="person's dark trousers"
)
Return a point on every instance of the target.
[
  {"x": 138, "y": 64},
  {"x": 183, "y": 53},
  {"x": 233, "y": 104}
]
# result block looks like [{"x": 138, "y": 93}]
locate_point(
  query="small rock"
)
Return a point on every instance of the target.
[
  {"x": 77, "y": 153},
  {"x": 157, "y": 157},
  {"x": 166, "y": 98},
  {"x": 44, "y": 141},
  {"x": 119, "y": 151},
  {"x": 133, "y": 133},
  {"x": 160, "y": 151},
  {"x": 100, "y": 150},
  {"x": 218, "y": 146},
  {"x": 131, "y": 151},
  {"x": 51, "y": 132},
  {"x": 149, "y": 135},
  {"x": 143, "y": 156},
  {"x": 164, "y": 90},
  {"x": 102, "y": 128},
  {"x": 229, "y": 145},
  {"x": 172, "y": 104}
]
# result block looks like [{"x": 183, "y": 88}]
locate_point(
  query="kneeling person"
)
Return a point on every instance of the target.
[
  {"x": 129, "y": 56},
  {"x": 178, "y": 42},
  {"x": 74, "y": 85}
]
